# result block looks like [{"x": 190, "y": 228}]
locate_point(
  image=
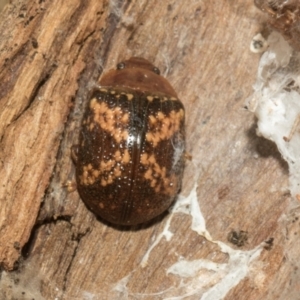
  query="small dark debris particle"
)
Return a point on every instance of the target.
[
  {"x": 170, "y": 7},
  {"x": 198, "y": 11},
  {"x": 258, "y": 44},
  {"x": 16, "y": 265},
  {"x": 269, "y": 243},
  {"x": 23, "y": 293},
  {"x": 223, "y": 192},
  {"x": 17, "y": 245},
  {"x": 205, "y": 121},
  {"x": 34, "y": 43},
  {"x": 29, "y": 20},
  {"x": 238, "y": 238}
]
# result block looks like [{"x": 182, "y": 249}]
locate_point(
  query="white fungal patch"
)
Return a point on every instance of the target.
[
  {"x": 223, "y": 276},
  {"x": 276, "y": 103},
  {"x": 23, "y": 285}
]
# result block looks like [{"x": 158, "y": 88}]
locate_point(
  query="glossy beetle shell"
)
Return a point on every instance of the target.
[{"x": 130, "y": 161}]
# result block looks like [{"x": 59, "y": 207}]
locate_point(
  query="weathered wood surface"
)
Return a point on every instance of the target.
[
  {"x": 2, "y": 4},
  {"x": 51, "y": 53}
]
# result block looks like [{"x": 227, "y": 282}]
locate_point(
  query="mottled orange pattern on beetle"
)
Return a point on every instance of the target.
[
  {"x": 162, "y": 127},
  {"x": 115, "y": 121},
  {"x": 130, "y": 156}
]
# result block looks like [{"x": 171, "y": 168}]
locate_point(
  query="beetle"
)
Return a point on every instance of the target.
[{"x": 130, "y": 157}]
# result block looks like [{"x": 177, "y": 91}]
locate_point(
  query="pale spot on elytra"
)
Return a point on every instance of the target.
[
  {"x": 150, "y": 98},
  {"x": 162, "y": 126},
  {"x": 107, "y": 171},
  {"x": 112, "y": 120},
  {"x": 157, "y": 175},
  {"x": 129, "y": 97}
]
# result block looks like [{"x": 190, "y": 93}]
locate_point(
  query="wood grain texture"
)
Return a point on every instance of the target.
[
  {"x": 2, "y": 4},
  {"x": 51, "y": 54}
]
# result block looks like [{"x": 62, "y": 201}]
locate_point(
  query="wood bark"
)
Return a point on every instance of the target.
[{"x": 51, "y": 55}]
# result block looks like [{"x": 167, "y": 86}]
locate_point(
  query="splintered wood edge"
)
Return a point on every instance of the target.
[{"x": 40, "y": 68}]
